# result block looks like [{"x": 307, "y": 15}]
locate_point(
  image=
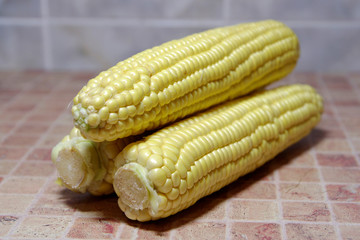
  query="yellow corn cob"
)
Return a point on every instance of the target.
[
  {"x": 84, "y": 165},
  {"x": 181, "y": 77},
  {"x": 173, "y": 168}
]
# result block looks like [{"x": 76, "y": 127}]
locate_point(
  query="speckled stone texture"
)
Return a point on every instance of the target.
[{"x": 310, "y": 191}]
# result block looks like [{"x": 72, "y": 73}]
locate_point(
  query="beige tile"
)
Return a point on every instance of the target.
[
  {"x": 253, "y": 190},
  {"x": 20, "y": 140},
  {"x": 336, "y": 160},
  {"x": 341, "y": 175},
  {"x": 207, "y": 208},
  {"x": 200, "y": 230},
  {"x": 347, "y": 212},
  {"x": 301, "y": 191},
  {"x": 12, "y": 153},
  {"x": 254, "y": 231},
  {"x": 299, "y": 231},
  {"x": 35, "y": 168},
  {"x": 14, "y": 203},
  {"x": 7, "y": 166},
  {"x": 253, "y": 210},
  {"x": 299, "y": 174},
  {"x": 343, "y": 192},
  {"x": 306, "y": 211},
  {"x": 42, "y": 227},
  {"x": 25, "y": 185},
  {"x": 94, "y": 228},
  {"x": 6, "y": 223},
  {"x": 154, "y": 230},
  {"x": 333, "y": 145},
  {"x": 349, "y": 232},
  {"x": 51, "y": 204}
]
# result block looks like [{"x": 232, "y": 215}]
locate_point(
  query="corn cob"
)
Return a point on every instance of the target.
[
  {"x": 87, "y": 166},
  {"x": 173, "y": 168},
  {"x": 184, "y": 76}
]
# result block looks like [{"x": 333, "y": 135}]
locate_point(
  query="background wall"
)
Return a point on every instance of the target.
[{"x": 93, "y": 35}]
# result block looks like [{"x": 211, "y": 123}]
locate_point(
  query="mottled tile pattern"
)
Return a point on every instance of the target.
[{"x": 310, "y": 191}]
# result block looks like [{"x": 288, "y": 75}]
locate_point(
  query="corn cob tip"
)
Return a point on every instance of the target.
[{"x": 77, "y": 163}]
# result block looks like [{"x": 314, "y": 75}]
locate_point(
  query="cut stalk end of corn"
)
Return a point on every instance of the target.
[
  {"x": 78, "y": 164},
  {"x": 134, "y": 189}
]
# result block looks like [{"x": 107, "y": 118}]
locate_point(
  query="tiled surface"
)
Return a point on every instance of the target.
[
  {"x": 310, "y": 191},
  {"x": 85, "y": 35}
]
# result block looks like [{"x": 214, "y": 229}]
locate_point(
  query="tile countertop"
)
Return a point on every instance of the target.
[{"x": 310, "y": 191}]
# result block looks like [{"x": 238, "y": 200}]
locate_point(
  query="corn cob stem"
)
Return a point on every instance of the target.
[
  {"x": 87, "y": 166},
  {"x": 183, "y": 76},
  {"x": 173, "y": 168}
]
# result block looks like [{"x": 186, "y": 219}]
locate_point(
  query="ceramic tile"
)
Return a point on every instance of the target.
[
  {"x": 51, "y": 204},
  {"x": 129, "y": 230},
  {"x": 20, "y": 8},
  {"x": 95, "y": 228},
  {"x": 347, "y": 212},
  {"x": 24, "y": 185},
  {"x": 207, "y": 209},
  {"x": 20, "y": 140},
  {"x": 253, "y": 210},
  {"x": 349, "y": 232},
  {"x": 34, "y": 168},
  {"x": 340, "y": 58},
  {"x": 294, "y": 10},
  {"x": 6, "y": 127},
  {"x": 333, "y": 145},
  {"x": 42, "y": 117},
  {"x": 40, "y": 154},
  {"x": 89, "y": 206},
  {"x": 342, "y": 192},
  {"x": 158, "y": 9},
  {"x": 299, "y": 174},
  {"x": 10, "y": 153},
  {"x": 306, "y": 211},
  {"x": 24, "y": 41},
  {"x": 201, "y": 230},
  {"x": 42, "y": 227},
  {"x": 340, "y": 175},
  {"x": 97, "y": 48},
  {"x": 50, "y": 140},
  {"x": 156, "y": 230},
  {"x": 319, "y": 173},
  {"x": 253, "y": 190},
  {"x": 32, "y": 128},
  {"x": 301, "y": 191},
  {"x": 351, "y": 126},
  {"x": 14, "y": 203},
  {"x": 254, "y": 231},
  {"x": 7, "y": 166},
  {"x": 336, "y": 160},
  {"x": 299, "y": 231},
  {"x": 6, "y": 223}
]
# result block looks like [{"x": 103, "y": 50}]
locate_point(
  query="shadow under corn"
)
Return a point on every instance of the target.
[{"x": 210, "y": 207}]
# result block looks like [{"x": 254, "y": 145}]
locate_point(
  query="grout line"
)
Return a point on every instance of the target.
[
  {"x": 47, "y": 53},
  {"x": 279, "y": 204},
  {"x": 325, "y": 91},
  {"x": 164, "y": 22},
  {"x": 23, "y": 159}
]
